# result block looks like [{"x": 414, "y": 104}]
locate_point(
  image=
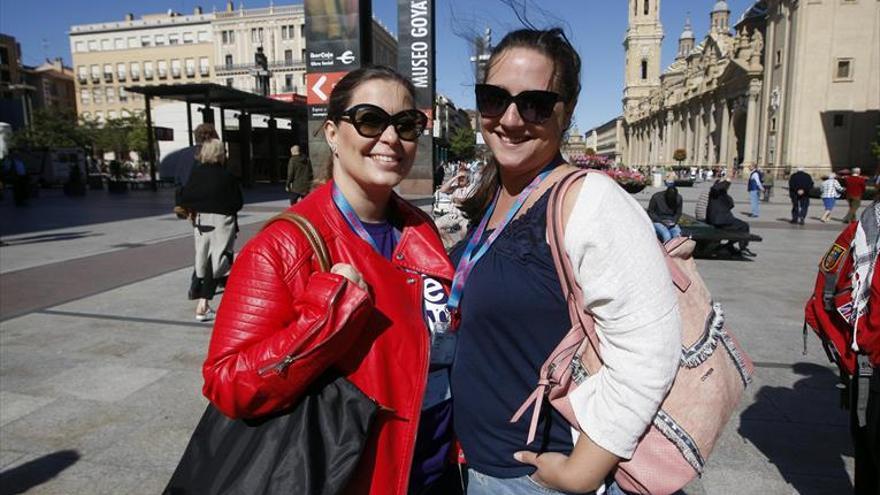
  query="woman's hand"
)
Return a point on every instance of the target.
[
  {"x": 556, "y": 471},
  {"x": 583, "y": 471},
  {"x": 350, "y": 273}
]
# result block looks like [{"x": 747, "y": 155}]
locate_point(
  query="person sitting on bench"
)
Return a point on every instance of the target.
[
  {"x": 665, "y": 210},
  {"x": 719, "y": 214}
]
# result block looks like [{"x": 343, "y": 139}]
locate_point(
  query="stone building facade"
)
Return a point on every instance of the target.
[
  {"x": 794, "y": 83},
  {"x": 280, "y": 31},
  {"x": 167, "y": 48}
]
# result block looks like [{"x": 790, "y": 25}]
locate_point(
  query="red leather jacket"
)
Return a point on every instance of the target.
[{"x": 276, "y": 305}]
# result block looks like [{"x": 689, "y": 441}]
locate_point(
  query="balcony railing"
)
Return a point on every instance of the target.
[
  {"x": 108, "y": 77},
  {"x": 96, "y": 79},
  {"x": 83, "y": 79},
  {"x": 276, "y": 64}
]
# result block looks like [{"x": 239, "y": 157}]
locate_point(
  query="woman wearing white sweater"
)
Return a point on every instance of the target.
[
  {"x": 508, "y": 301},
  {"x": 831, "y": 190}
]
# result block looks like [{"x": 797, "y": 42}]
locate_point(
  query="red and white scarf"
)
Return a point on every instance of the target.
[{"x": 866, "y": 246}]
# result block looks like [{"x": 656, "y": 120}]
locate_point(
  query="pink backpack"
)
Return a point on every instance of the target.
[{"x": 713, "y": 373}]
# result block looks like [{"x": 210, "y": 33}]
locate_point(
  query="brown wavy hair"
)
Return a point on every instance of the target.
[{"x": 553, "y": 44}]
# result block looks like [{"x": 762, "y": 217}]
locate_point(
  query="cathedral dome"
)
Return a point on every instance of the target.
[
  {"x": 720, "y": 6},
  {"x": 687, "y": 33}
]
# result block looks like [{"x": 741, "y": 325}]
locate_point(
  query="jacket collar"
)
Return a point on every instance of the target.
[{"x": 419, "y": 249}]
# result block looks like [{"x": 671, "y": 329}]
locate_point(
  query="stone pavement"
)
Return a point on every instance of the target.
[{"x": 100, "y": 356}]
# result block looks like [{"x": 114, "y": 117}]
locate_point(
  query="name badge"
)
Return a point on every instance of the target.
[
  {"x": 443, "y": 347},
  {"x": 438, "y": 389}
]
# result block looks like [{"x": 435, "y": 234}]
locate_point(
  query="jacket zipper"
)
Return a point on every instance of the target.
[
  {"x": 426, "y": 357},
  {"x": 279, "y": 366}
]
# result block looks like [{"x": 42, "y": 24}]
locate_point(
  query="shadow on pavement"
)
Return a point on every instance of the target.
[
  {"x": 53, "y": 210},
  {"x": 60, "y": 236},
  {"x": 803, "y": 431},
  {"x": 34, "y": 473}
]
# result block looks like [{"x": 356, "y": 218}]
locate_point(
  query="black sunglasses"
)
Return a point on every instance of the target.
[
  {"x": 371, "y": 121},
  {"x": 534, "y": 106}
]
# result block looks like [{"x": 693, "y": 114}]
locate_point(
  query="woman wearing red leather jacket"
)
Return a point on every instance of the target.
[{"x": 374, "y": 316}]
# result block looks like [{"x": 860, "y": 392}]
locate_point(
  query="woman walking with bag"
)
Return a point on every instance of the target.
[
  {"x": 373, "y": 318},
  {"x": 212, "y": 199},
  {"x": 508, "y": 300}
]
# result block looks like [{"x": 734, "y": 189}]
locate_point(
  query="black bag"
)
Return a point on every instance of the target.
[{"x": 312, "y": 448}]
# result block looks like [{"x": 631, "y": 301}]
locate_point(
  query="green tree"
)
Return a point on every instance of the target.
[
  {"x": 120, "y": 135},
  {"x": 462, "y": 144},
  {"x": 51, "y": 128},
  {"x": 590, "y": 152},
  {"x": 679, "y": 155}
]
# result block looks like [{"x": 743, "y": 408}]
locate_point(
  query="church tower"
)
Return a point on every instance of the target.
[{"x": 642, "y": 46}]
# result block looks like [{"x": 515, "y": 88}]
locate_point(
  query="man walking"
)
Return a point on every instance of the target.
[
  {"x": 299, "y": 175},
  {"x": 755, "y": 187},
  {"x": 855, "y": 185},
  {"x": 799, "y": 185}
]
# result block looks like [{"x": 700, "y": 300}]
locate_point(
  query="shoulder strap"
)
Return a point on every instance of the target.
[
  {"x": 571, "y": 291},
  {"x": 311, "y": 234}
]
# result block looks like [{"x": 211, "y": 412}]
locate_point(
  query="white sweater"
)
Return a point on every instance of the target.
[{"x": 626, "y": 284}]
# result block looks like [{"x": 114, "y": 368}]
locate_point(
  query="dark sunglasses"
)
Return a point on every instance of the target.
[
  {"x": 371, "y": 121},
  {"x": 534, "y": 106}
]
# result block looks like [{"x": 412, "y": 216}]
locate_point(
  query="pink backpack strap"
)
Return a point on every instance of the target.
[{"x": 571, "y": 291}]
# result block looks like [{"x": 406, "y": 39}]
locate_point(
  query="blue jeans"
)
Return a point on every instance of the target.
[
  {"x": 754, "y": 199},
  {"x": 665, "y": 233},
  {"x": 829, "y": 203},
  {"x": 483, "y": 484}
]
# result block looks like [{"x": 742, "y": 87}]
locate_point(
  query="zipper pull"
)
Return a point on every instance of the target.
[
  {"x": 382, "y": 407},
  {"x": 279, "y": 367}
]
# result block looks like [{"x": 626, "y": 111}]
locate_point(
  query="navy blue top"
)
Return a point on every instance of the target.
[
  {"x": 513, "y": 316},
  {"x": 384, "y": 236}
]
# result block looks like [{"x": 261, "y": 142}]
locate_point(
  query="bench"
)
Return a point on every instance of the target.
[{"x": 709, "y": 238}]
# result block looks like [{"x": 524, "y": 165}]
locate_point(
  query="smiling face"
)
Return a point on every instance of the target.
[
  {"x": 520, "y": 147},
  {"x": 378, "y": 163}
]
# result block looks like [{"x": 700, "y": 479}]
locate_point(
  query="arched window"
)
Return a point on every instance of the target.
[
  {"x": 644, "y": 69},
  {"x": 646, "y": 7}
]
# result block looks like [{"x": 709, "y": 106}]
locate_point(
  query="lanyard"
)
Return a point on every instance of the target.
[
  {"x": 469, "y": 259},
  {"x": 354, "y": 222}
]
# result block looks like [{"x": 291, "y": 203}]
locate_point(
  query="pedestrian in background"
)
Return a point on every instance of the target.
[
  {"x": 855, "y": 185},
  {"x": 14, "y": 171},
  {"x": 299, "y": 175},
  {"x": 186, "y": 160},
  {"x": 755, "y": 189},
  {"x": 664, "y": 209},
  {"x": 831, "y": 190},
  {"x": 212, "y": 198},
  {"x": 767, "y": 181},
  {"x": 379, "y": 317},
  {"x": 507, "y": 294},
  {"x": 799, "y": 185}
]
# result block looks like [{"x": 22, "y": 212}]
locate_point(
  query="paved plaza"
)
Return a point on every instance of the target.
[{"x": 100, "y": 356}]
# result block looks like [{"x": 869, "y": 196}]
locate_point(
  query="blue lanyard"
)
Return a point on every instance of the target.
[
  {"x": 469, "y": 259},
  {"x": 354, "y": 222}
]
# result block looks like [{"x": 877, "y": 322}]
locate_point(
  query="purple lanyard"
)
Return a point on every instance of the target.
[
  {"x": 354, "y": 222},
  {"x": 467, "y": 262}
]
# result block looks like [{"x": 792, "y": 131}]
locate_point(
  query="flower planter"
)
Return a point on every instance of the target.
[{"x": 632, "y": 188}]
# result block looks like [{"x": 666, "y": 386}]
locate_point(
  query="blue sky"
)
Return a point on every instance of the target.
[{"x": 596, "y": 27}]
